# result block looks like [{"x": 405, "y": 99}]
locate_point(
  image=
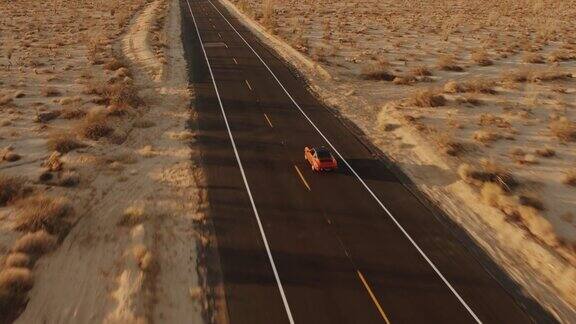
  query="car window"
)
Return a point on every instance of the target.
[{"x": 323, "y": 154}]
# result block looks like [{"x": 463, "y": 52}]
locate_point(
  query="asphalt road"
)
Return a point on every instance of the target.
[{"x": 352, "y": 246}]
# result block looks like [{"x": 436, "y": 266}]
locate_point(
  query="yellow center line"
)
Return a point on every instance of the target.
[
  {"x": 302, "y": 177},
  {"x": 268, "y": 120},
  {"x": 373, "y": 297},
  {"x": 235, "y": 60},
  {"x": 248, "y": 84}
]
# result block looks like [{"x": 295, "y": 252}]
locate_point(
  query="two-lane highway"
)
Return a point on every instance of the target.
[{"x": 353, "y": 246}]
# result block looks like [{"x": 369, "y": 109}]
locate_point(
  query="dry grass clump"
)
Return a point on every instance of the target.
[
  {"x": 132, "y": 216},
  {"x": 11, "y": 189},
  {"x": 94, "y": 126},
  {"x": 545, "y": 152},
  {"x": 72, "y": 113},
  {"x": 475, "y": 86},
  {"x": 449, "y": 146},
  {"x": 489, "y": 172},
  {"x": 42, "y": 212},
  {"x": 14, "y": 284},
  {"x": 9, "y": 155},
  {"x": 486, "y": 136},
  {"x": 17, "y": 259},
  {"x": 49, "y": 91},
  {"x": 69, "y": 179},
  {"x": 533, "y": 58},
  {"x": 563, "y": 129},
  {"x": 144, "y": 258},
  {"x": 63, "y": 143},
  {"x": 427, "y": 98},
  {"x": 481, "y": 58},
  {"x": 570, "y": 178},
  {"x": 35, "y": 244},
  {"x": 420, "y": 71},
  {"x": 448, "y": 63},
  {"x": 119, "y": 93},
  {"x": 378, "y": 72}
]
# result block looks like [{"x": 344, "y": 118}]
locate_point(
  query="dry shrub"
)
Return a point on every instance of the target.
[
  {"x": 143, "y": 123},
  {"x": 17, "y": 259},
  {"x": 570, "y": 178},
  {"x": 469, "y": 99},
  {"x": 49, "y": 91},
  {"x": 123, "y": 93},
  {"x": 545, "y": 152},
  {"x": 452, "y": 87},
  {"x": 487, "y": 119},
  {"x": 486, "y": 136},
  {"x": 72, "y": 113},
  {"x": 132, "y": 216},
  {"x": 448, "y": 63},
  {"x": 53, "y": 162},
  {"x": 144, "y": 258},
  {"x": 481, "y": 58},
  {"x": 420, "y": 71},
  {"x": 476, "y": 86},
  {"x": 114, "y": 65},
  {"x": 14, "y": 284},
  {"x": 531, "y": 200},
  {"x": 563, "y": 129},
  {"x": 403, "y": 80},
  {"x": 513, "y": 207},
  {"x": 11, "y": 189},
  {"x": 427, "y": 98},
  {"x": 119, "y": 93},
  {"x": 94, "y": 126},
  {"x": 515, "y": 76},
  {"x": 490, "y": 172},
  {"x": 36, "y": 243},
  {"x": 537, "y": 225},
  {"x": 63, "y": 143},
  {"x": 10, "y": 156},
  {"x": 42, "y": 212},
  {"x": 552, "y": 74},
  {"x": 560, "y": 56},
  {"x": 533, "y": 58},
  {"x": 378, "y": 71},
  {"x": 69, "y": 179}
]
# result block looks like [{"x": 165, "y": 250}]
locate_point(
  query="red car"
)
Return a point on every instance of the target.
[{"x": 320, "y": 159}]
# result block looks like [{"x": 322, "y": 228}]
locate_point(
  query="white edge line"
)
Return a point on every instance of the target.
[
  {"x": 358, "y": 176},
  {"x": 278, "y": 281}
]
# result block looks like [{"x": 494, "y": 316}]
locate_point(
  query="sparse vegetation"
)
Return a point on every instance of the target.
[
  {"x": 378, "y": 71},
  {"x": 35, "y": 243},
  {"x": 63, "y": 143},
  {"x": 563, "y": 129},
  {"x": 94, "y": 126},
  {"x": 42, "y": 212},
  {"x": 11, "y": 189},
  {"x": 132, "y": 215},
  {"x": 428, "y": 98}
]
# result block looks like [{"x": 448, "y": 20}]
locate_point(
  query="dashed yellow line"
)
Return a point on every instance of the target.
[
  {"x": 378, "y": 306},
  {"x": 302, "y": 178},
  {"x": 268, "y": 120},
  {"x": 248, "y": 84}
]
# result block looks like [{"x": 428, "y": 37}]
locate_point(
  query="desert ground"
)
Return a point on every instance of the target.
[
  {"x": 474, "y": 100},
  {"x": 98, "y": 198}
]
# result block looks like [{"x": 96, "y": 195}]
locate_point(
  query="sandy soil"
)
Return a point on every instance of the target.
[
  {"x": 130, "y": 252},
  {"x": 505, "y": 74}
]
